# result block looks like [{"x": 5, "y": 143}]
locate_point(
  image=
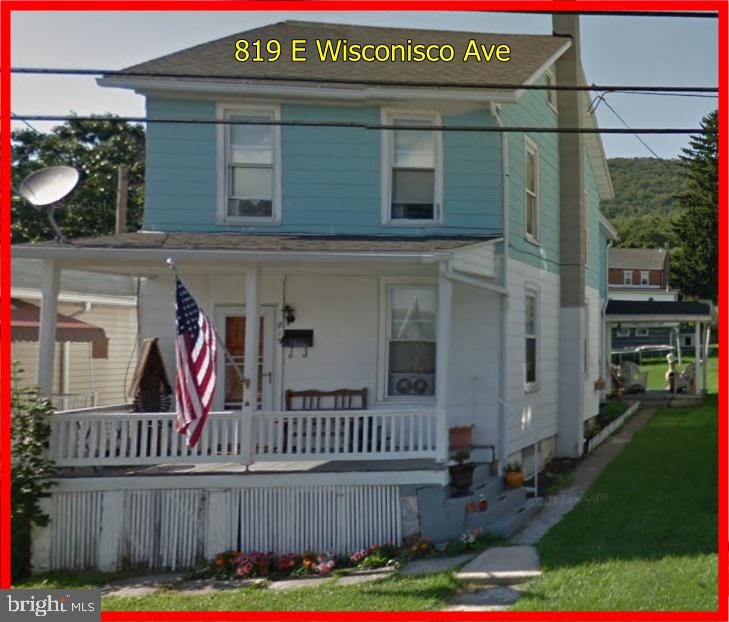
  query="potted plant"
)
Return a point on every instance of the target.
[
  {"x": 514, "y": 476},
  {"x": 461, "y": 472},
  {"x": 459, "y": 437}
]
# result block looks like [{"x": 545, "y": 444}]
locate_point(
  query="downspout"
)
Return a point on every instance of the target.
[{"x": 503, "y": 376}]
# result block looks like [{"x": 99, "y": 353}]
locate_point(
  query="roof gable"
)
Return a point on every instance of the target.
[{"x": 637, "y": 258}]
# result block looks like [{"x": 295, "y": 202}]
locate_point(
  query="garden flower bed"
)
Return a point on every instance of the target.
[{"x": 255, "y": 564}]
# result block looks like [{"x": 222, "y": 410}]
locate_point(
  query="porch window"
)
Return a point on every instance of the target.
[
  {"x": 644, "y": 277},
  {"x": 251, "y": 167},
  {"x": 531, "y": 190},
  {"x": 411, "y": 341},
  {"x": 623, "y": 332},
  {"x": 530, "y": 335},
  {"x": 642, "y": 332},
  {"x": 413, "y": 169},
  {"x": 627, "y": 277}
]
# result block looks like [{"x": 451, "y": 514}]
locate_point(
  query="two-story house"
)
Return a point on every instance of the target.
[{"x": 411, "y": 268}]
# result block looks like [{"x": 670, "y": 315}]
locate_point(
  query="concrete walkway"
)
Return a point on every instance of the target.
[
  {"x": 510, "y": 564},
  {"x": 557, "y": 505}
]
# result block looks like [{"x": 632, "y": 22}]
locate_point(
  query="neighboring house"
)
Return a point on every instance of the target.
[
  {"x": 642, "y": 274},
  {"x": 96, "y": 334},
  {"x": 437, "y": 278}
]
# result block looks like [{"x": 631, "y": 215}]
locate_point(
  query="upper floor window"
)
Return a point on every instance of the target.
[
  {"x": 551, "y": 80},
  {"x": 644, "y": 277},
  {"x": 412, "y": 169},
  {"x": 252, "y": 170},
  {"x": 627, "y": 277},
  {"x": 531, "y": 189}
]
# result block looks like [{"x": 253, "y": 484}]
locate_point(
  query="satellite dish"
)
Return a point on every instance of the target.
[{"x": 46, "y": 188}]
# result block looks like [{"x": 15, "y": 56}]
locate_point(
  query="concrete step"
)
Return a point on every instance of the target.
[
  {"x": 510, "y": 523},
  {"x": 489, "y": 488},
  {"x": 501, "y": 565}
]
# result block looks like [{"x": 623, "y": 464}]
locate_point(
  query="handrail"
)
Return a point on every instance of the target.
[{"x": 508, "y": 408}]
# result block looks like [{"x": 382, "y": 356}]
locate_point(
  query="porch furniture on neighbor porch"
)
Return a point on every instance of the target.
[
  {"x": 684, "y": 381},
  {"x": 634, "y": 380}
]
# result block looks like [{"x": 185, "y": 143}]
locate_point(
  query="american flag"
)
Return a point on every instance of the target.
[{"x": 196, "y": 358}]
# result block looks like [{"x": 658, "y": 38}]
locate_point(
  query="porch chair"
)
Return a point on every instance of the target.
[
  {"x": 634, "y": 380},
  {"x": 315, "y": 399},
  {"x": 685, "y": 380}
]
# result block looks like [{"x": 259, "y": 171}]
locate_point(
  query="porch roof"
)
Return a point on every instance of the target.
[
  {"x": 25, "y": 325},
  {"x": 141, "y": 245},
  {"x": 649, "y": 311}
]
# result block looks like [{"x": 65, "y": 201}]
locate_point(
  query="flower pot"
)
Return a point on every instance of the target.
[
  {"x": 461, "y": 477},
  {"x": 483, "y": 505},
  {"x": 460, "y": 437},
  {"x": 514, "y": 479},
  {"x": 600, "y": 384}
]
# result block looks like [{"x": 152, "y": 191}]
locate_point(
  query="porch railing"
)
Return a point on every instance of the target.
[{"x": 108, "y": 438}]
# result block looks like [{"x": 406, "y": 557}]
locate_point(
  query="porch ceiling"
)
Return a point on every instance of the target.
[{"x": 656, "y": 311}]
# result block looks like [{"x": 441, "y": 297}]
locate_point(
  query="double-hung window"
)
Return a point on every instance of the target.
[
  {"x": 644, "y": 277},
  {"x": 412, "y": 169},
  {"x": 551, "y": 80},
  {"x": 411, "y": 336},
  {"x": 530, "y": 337},
  {"x": 251, "y": 167},
  {"x": 531, "y": 190},
  {"x": 627, "y": 277}
]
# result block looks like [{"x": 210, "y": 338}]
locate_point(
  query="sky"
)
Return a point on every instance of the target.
[{"x": 615, "y": 50}]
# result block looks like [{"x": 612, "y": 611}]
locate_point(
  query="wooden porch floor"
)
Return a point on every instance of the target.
[{"x": 259, "y": 468}]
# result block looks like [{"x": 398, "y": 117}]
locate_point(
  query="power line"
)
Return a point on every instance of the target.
[
  {"x": 657, "y": 13},
  {"x": 352, "y": 81},
  {"x": 369, "y": 126}
]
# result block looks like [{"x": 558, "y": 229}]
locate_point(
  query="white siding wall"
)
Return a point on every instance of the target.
[
  {"x": 86, "y": 375},
  {"x": 538, "y": 408}
]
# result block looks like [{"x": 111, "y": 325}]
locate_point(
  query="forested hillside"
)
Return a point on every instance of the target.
[{"x": 645, "y": 199}]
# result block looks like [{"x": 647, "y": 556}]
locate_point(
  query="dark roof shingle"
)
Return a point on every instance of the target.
[
  {"x": 637, "y": 258},
  {"x": 529, "y": 53}
]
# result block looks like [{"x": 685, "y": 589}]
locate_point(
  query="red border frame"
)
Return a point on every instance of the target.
[{"x": 6, "y": 9}]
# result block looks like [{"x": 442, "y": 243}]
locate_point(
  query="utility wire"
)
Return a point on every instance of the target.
[
  {"x": 369, "y": 126},
  {"x": 656, "y": 13},
  {"x": 305, "y": 79}
]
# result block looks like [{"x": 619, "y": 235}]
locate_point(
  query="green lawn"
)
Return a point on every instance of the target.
[{"x": 648, "y": 540}]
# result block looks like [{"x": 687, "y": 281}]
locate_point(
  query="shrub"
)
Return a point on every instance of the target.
[{"x": 31, "y": 468}]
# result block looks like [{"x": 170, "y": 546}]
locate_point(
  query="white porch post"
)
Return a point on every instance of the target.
[
  {"x": 697, "y": 358},
  {"x": 50, "y": 281},
  {"x": 442, "y": 363},
  {"x": 608, "y": 362},
  {"x": 250, "y": 364},
  {"x": 705, "y": 367}
]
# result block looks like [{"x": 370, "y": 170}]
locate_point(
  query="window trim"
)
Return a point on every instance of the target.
[
  {"x": 386, "y": 283},
  {"x": 551, "y": 93},
  {"x": 530, "y": 145},
  {"x": 642, "y": 332},
  {"x": 225, "y": 111},
  {"x": 622, "y": 332},
  {"x": 626, "y": 274},
  {"x": 386, "y": 157},
  {"x": 531, "y": 387},
  {"x": 647, "y": 275}
]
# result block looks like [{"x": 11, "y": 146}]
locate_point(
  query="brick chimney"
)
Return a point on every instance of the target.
[{"x": 573, "y": 219}]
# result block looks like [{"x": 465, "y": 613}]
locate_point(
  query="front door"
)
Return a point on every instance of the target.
[{"x": 232, "y": 324}]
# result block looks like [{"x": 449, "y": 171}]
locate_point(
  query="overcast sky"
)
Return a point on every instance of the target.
[{"x": 616, "y": 50}]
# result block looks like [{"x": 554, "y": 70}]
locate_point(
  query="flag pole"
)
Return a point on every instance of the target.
[{"x": 172, "y": 266}]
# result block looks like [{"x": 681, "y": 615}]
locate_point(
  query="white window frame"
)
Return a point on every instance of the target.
[
  {"x": 387, "y": 117},
  {"x": 382, "y": 351},
  {"x": 645, "y": 274},
  {"x": 642, "y": 332},
  {"x": 225, "y": 111},
  {"x": 622, "y": 332},
  {"x": 530, "y": 387},
  {"x": 549, "y": 74},
  {"x": 628, "y": 278},
  {"x": 533, "y": 147}
]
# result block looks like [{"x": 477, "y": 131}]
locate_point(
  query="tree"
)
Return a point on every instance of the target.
[
  {"x": 695, "y": 258},
  {"x": 31, "y": 469},
  {"x": 95, "y": 148}
]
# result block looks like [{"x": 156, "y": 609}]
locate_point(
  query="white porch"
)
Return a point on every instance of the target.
[{"x": 343, "y": 298}]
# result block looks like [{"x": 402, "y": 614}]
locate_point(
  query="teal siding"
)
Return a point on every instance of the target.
[
  {"x": 596, "y": 244},
  {"x": 330, "y": 176},
  {"x": 532, "y": 110},
  {"x": 603, "y": 263}
]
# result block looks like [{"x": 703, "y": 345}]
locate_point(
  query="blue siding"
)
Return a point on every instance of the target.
[
  {"x": 532, "y": 110},
  {"x": 330, "y": 176},
  {"x": 594, "y": 277}
]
